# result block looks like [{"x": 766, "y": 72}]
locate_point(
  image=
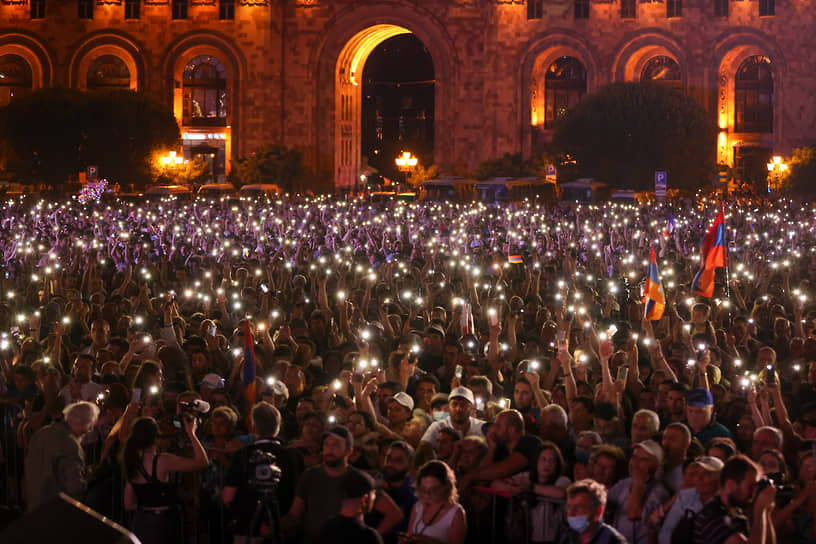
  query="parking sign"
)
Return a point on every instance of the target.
[{"x": 660, "y": 185}]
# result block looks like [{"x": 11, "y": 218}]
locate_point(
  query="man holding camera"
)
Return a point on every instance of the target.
[
  {"x": 251, "y": 483},
  {"x": 721, "y": 520}
]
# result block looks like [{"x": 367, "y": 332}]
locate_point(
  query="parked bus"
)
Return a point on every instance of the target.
[{"x": 515, "y": 190}]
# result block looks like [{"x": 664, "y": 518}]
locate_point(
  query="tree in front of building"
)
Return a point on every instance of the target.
[
  {"x": 52, "y": 134},
  {"x": 801, "y": 171},
  {"x": 270, "y": 163},
  {"x": 625, "y": 132}
]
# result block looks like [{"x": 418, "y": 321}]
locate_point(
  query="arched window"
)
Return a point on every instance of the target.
[
  {"x": 15, "y": 77},
  {"x": 205, "y": 92},
  {"x": 662, "y": 69},
  {"x": 108, "y": 72},
  {"x": 564, "y": 85},
  {"x": 753, "y": 95}
]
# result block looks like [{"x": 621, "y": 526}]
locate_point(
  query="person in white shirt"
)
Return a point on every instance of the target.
[
  {"x": 80, "y": 387},
  {"x": 460, "y": 406}
]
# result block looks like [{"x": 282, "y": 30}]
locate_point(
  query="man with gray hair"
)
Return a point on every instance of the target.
[
  {"x": 55, "y": 462},
  {"x": 766, "y": 438}
]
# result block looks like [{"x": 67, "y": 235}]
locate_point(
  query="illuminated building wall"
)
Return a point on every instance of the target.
[{"x": 241, "y": 73}]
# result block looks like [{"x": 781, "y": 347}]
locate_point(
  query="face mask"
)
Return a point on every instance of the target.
[
  {"x": 579, "y": 524},
  {"x": 439, "y": 416}
]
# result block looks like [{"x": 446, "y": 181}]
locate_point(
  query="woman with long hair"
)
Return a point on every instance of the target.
[
  {"x": 437, "y": 517},
  {"x": 147, "y": 472}
]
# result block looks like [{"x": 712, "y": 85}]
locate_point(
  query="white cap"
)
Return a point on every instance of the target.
[
  {"x": 462, "y": 393},
  {"x": 405, "y": 400}
]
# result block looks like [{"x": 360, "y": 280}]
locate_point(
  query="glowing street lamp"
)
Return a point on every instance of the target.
[
  {"x": 776, "y": 168},
  {"x": 172, "y": 158},
  {"x": 406, "y": 161}
]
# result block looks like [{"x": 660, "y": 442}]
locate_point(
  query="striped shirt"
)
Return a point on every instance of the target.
[{"x": 715, "y": 523}]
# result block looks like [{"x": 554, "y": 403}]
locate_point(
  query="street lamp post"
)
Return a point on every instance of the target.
[
  {"x": 171, "y": 162},
  {"x": 406, "y": 162},
  {"x": 776, "y": 169}
]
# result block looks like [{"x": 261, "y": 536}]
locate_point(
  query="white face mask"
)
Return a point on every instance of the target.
[{"x": 579, "y": 524}]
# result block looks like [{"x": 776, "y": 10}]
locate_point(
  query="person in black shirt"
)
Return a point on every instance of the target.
[
  {"x": 359, "y": 497},
  {"x": 240, "y": 495},
  {"x": 721, "y": 520}
]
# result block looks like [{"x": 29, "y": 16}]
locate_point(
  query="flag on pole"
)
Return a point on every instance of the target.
[
  {"x": 653, "y": 296},
  {"x": 249, "y": 363},
  {"x": 713, "y": 255},
  {"x": 670, "y": 226}
]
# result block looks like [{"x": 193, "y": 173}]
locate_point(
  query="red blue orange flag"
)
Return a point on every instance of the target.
[
  {"x": 653, "y": 296},
  {"x": 712, "y": 256},
  {"x": 249, "y": 363}
]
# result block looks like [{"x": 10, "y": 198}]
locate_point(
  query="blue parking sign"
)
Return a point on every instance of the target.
[{"x": 93, "y": 172}]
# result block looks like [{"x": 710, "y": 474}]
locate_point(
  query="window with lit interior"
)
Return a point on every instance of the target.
[
  {"x": 564, "y": 85},
  {"x": 205, "y": 92},
  {"x": 753, "y": 96}
]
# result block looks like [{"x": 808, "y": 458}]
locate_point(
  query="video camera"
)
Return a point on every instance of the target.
[
  {"x": 190, "y": 410},
  {"x": 264, "y": 473}
]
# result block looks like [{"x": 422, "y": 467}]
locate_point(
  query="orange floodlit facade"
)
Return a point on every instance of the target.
[{"x": 242, "y": 73}]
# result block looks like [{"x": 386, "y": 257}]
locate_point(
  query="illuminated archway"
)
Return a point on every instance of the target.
[
  {"x": 348, "y": 40},
  {"x": 116, "y": 59},
  {"x": 348, "y": 100}
]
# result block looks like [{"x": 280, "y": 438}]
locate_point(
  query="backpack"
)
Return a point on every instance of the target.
[{"x": 684, "y": 530}]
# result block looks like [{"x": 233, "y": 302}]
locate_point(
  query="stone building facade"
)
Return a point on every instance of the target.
[{"x": 241, "y": 73}]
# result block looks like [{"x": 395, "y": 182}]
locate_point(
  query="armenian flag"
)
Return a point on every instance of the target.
[
  {"x": 515, "y": 259},
  {"x": 712, "y": 256},
  {"x": 653, "y": 296},
  {"x": 249, "y": 363}
]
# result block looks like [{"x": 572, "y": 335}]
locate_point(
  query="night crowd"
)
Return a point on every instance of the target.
[{"x": 324, "y": 370}]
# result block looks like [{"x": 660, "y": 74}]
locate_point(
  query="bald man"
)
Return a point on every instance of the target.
[{"x": 510, "y": 450}]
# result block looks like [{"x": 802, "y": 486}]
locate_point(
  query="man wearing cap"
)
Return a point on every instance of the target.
[
  {"x": 359, "y": 495},
  {"x": 319, "y": 496},
  {"x": 209, "y": 384},
  {"x": 399, "y": 411},
  {"x": 460, "y": 408},
  {"x": 706, "y": 486},
  {"x": 433, "y": 347},
  {"x": 632, "y": 500},
  {"x": 700, "y": 417}
]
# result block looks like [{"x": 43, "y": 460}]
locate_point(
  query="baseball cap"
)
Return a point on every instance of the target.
[
  {"x": 356, "y": 484},
  {"x": 437, "y": 329},
  {"x": 279, "y": 388},
  {"x": 699, "y": 397},
  {"x": 462, "y": 393},
  {"x": 213, "y": 381},
  {"x": 404, "y": 399},
  {"x": 340, "y": 432},
  {"x": 709, "y": 463},
  {"x": 652, "y": 448}
]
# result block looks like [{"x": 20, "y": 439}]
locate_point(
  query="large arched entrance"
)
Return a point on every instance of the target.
[
  {"x": 349, "y": 41},
  {"x": 348, "y": 127},
  {"x": 397, "y": 106}
]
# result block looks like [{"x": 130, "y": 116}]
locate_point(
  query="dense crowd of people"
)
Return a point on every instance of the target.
[{"x": 328, "y": 370}]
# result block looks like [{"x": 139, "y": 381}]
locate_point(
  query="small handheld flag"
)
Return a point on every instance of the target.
[
  {"x": 653, "y": 296},
  {"x": 670, "y": 226},
  {"x": 515, "y": 259}
]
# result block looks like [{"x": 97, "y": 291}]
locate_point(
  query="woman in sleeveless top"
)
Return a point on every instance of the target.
[
  {"x": 148, "y": 491},
  {"x": 437, "y": 517}
]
